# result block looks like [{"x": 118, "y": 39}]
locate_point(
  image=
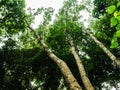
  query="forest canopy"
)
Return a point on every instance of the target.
[{"x": 64, "y": 54}]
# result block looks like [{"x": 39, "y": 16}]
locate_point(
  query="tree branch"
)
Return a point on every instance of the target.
[
  {"x": 80, "y": 66},
  {"x": 107, "y": 51},
  {"x": 70, "y": 79}
]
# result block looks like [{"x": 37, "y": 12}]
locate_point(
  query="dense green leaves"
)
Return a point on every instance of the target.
[
  {"x": 67, "y": 21},
  {"x": 12, "y": 13},
  {"x": 115, "y": 22}
]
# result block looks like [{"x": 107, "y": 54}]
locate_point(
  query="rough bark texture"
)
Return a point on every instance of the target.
[
  {"x": 107, "y": 51},
  {"x": 70, "y": 79},
  {"x": 82, "y": 71},
  {"x": 72, "y": 82}
]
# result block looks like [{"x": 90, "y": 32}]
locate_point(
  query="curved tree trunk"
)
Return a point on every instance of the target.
[
  {"x": 82, "y": 71},
  {"x": 70, "y": 79},
  {"x": 107, "y": 51}
]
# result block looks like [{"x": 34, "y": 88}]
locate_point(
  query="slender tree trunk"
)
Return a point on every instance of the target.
[
  {"x": 80, "y": 66},
  {"x": 107, "y": 51},
  {"x": 70, "y": 79}
]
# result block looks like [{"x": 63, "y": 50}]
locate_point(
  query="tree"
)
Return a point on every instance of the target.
[
  {"x": 80, "y": 66},
  {"x": 101, "y": 45},
  {"x": 102, "y": 30},
  {"x": 113, "y": 42},
  {"x": 73, "y": 84}
]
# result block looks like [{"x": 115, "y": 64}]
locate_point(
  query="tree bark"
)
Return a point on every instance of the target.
[
  {"x": 107, "y": 51},
  {"x": 70, "y": 79},
  {"x": 80, "y": 66}
]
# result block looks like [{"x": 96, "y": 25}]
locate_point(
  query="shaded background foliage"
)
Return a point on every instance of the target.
[
  {"x": 20, "y": 67},
  {"x": 12, "y": 12}
]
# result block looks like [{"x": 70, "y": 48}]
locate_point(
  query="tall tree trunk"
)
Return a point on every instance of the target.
[
  {"x": 107, "y": 51},
  {"x": 80, "y": 66},
  {"x": 70, "y": 79}
]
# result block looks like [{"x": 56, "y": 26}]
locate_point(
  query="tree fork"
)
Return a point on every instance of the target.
[{"x": 70, "y": 79}]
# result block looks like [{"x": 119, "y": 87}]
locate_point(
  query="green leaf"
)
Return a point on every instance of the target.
[
  {"x": 118, "y": 17},
  {"x": 114, "y": 45},
  {"x": 114, "y": 42},
  {"x": 117, "y": 33},
  {"x": 111, "y": 9},
  {"x": 113, "y": 22},
  {"x": 114, "y": 39},
  {"x": 118, "y": 4},
  {"x": 118, "y": 27},
  {"x": 116, "y": 13}
]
